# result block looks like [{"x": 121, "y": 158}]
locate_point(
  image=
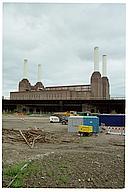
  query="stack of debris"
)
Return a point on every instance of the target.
[
  {"x": 33, "y": 135},
  {"x": 30, "y": 136}
]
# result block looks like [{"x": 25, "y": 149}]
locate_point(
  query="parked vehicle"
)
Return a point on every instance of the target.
[
  {"x": 86, "y": 113},
  {"x": 64, "y": 120},
  {"x": 61, "y": 117},
  {"x": 54, "y": 119}
]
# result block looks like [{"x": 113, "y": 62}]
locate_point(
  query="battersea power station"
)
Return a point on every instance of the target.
[
  {"x": 97, "y": 89},
  {"x": 94, "y": 96}
]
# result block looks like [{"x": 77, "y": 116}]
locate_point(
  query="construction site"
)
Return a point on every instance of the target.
[
  {"x": 64, "y": 136},
  {"x": 40, "y": 154}
]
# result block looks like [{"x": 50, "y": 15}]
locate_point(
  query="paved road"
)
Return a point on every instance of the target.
[{"x": 15, "y": 122}]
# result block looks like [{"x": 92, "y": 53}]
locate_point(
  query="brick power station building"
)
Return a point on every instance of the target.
[
  {"x": 98, "y": 89},
  {"x": 94, "y": 96}
]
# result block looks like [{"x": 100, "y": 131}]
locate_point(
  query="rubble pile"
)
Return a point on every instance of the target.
[
  {"x": 35, "y": 135},
  {"x": 30, "y": 136}
]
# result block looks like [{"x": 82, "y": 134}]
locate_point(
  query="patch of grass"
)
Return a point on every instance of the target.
[
  {"x": 55, "y": 172},
  {"x": 11, "y": 171},
  {"x": 50, "y": 173},
  {"x": 32, "y": 168},
  {"x": 18, "y": 183},
  {"x": 63, "y": 168},
  {"x": 64, "y": 178}
]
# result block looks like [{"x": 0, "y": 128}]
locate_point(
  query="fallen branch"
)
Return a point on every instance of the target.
[
  {"x": 24, "y": 138},
  {"x": 34, "y": 141}
]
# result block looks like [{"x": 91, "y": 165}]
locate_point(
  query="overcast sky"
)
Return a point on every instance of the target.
[{"x": 62, "y": 37}]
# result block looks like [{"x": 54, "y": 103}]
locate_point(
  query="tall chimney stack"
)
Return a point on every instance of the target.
[
  {"x": 96, "y": 58},
  {"x": 25, "y": 72},
  {"x": 39, "y": 72},
  {"x": 105, "y": 80},
  {"x": 104, "y": 65}
]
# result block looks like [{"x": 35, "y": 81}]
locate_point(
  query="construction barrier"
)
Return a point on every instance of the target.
[{"x": 116, "y": 130}]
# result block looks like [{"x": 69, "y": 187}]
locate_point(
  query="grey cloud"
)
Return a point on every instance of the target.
[{"x": 61, "y": 37}]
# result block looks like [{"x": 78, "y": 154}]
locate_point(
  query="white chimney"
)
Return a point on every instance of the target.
[
  {"x": 96, "y": 58},
  {"x": 25, "y": 72},
  {"x": 104, "y": 65},
  {"x": 39, "y": 72}
]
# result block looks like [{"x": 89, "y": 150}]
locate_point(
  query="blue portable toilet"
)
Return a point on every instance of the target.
[{"x": 92, "y": 121}]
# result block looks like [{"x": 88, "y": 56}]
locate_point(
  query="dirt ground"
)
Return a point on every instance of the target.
[{"x": 78, "y": 162}]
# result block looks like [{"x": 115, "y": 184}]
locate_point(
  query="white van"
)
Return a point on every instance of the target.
[{"x": 54, "y": 119}]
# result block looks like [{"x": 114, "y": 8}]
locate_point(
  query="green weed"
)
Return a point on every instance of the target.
[
  {"x": 50, "y": 173},
  {"x": 18, "y": 183},
  {"x": 11, "y": 171},
  {"x": 64, "y": 178}
]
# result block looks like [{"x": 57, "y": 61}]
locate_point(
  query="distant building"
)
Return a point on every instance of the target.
[{"x": 97, "y": 89}]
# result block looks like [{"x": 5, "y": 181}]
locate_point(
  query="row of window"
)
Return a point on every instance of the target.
[
  {"x": 37, "y": 96},
  {"x": 64, "y": 88},
  {"x": 48, "y": 96},
  {"x": 87, "y": 88}
]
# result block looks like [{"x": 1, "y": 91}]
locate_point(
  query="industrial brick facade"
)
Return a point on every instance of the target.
[
  {"x": 97, "y": 89},
  {"x": 50, "y": 95}
]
